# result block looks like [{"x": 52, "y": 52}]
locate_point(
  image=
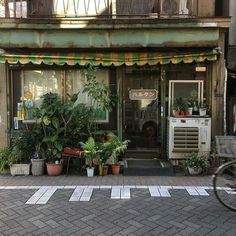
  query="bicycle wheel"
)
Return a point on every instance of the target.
[{"x": 224, "y": 183}]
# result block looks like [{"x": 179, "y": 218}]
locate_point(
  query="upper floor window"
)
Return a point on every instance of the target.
[{"x": 13, "y": 8}]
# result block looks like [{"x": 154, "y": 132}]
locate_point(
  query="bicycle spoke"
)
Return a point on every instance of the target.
[{"x": 225, "y": 185}]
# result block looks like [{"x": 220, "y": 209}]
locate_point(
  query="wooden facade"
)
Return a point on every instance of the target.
[{"x": 124, "y": 27}]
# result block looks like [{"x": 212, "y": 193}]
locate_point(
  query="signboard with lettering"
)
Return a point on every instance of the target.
[{"x": 143, "y": 94}]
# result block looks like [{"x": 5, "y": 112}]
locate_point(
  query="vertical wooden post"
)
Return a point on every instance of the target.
[
  {"x": 7, "y": 12},
  {"x": 218, "y": 88},
  {"x": 119, "y": 78},
  {"x": 3, "y": 106},
  {"x": 163, "y": 111},
  {"x": 14, "y": 8}
]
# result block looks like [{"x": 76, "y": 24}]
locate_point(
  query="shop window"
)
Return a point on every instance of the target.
[
  {"x": 35, "y": 83},
  {"x": 185, "y": 89},
  {"x": 74, "y": 84}
]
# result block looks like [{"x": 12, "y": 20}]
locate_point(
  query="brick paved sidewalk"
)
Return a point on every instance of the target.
[
  {"x": 7, "y": 180},
  {"x": 62, "y": 211}
]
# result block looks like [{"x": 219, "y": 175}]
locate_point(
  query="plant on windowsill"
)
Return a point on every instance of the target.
[
  {"x": 179, "y": 106},
  {"x": 176, "y": 107},
  {"x": 203, "y": 108},
  {"x": 196, "y": 163}
]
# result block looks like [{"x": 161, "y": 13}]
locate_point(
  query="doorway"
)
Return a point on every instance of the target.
[{"x": 141, "y": 109}]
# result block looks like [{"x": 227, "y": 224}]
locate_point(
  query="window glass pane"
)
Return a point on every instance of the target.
[
  {"x": 75, "y": 83},
  {"x": 39, "y": 82},
  {"x": 185, "y": 90}
]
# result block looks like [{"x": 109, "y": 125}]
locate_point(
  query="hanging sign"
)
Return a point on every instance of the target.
[{"x": 142, "y": 94}]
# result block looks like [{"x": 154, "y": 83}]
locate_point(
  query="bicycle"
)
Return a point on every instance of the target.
[{"x": 224, "y": 179}]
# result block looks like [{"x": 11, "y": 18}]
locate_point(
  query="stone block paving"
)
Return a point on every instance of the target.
[{"x": 181, "y": 214}]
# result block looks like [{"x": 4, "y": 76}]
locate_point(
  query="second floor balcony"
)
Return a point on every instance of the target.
[{"x": 103, "y": 9}]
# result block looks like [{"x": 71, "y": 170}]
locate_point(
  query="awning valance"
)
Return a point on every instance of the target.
[{"x": 109, "y": 59}]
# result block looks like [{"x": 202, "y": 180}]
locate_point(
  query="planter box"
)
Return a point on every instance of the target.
[{"x": 20, "y": 169}]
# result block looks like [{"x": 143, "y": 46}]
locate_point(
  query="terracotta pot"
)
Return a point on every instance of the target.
[
  {"x": 177, "y": 113},
  {"x": 115, "y": 169},
  {"x": 54, "y": 169}
]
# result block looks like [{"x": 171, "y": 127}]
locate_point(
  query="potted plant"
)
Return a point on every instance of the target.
[
  {"x": 190, "y": 104},
  {"x": 90, "y": 151},
  {"x": 6, "y": 157},
  {"x": 196, "y": 163},
  {"x": 37, "y": 162},
  {"x": 203, "y": 108},
  {"x": 50, "y": 132},
  {"x": 106, "y": 153},
  {"x": 176, "y": 107},
  {"x": 179, "y": 106},
  {"x": 117, "y": 146},
  {"x": 22, "y": 149}
]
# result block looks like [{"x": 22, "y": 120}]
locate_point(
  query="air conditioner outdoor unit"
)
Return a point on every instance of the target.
[{"x": 187, "y": 135}]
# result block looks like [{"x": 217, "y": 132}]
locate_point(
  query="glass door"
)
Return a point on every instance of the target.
[{"x": 141, "y": 109}]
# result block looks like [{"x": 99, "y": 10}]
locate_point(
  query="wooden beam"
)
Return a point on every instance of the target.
[
  {"x": 218, "y": 78},
  {"x": 3, "y": 106}
]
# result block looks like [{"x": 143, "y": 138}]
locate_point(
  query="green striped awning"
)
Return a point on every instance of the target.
[{"x": 109, "y": 59}]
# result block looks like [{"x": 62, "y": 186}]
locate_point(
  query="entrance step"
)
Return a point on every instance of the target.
[
  {"x": 147, "y": 167},
  {"x": 141, "y": 155}
]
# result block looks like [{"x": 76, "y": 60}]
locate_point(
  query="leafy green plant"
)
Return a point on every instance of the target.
[
  {"x": 196, "y": 160},
  {"x": 7, "y": 158},
  {"x": 115, "y": 146},
  {"x": 23, "y": 142},
  {"x": 180, "y": 104},
  {"x": 90, "y": 150},
  {"x": 99, "y": 93}
]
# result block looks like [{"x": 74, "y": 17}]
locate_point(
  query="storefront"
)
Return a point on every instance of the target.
[{"x": 140, "y": 79}]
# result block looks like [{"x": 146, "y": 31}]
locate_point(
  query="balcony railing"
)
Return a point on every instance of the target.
[{"x": 97, "y": 8}]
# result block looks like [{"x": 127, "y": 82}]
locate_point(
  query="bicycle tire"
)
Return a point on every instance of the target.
[{"x": 224, "y": 185}]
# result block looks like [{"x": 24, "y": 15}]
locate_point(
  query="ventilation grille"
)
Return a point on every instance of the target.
[{"x": 186, "y": 139}]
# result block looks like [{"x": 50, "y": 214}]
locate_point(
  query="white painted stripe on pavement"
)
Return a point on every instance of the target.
[
  {"x": 192, "y": 191},
  {"x": 94, "y": 186},
  {"x": 37, "y": 195},
  {"x": 202, "y": 191},
  {"x": 178, "y": 187},
  {"x": 231, "y": 192},
  {"x": 115, "y": 193},
  {"x": 154, "y": 191},
  {"x": 164, "y": 192},
  {"x": 125, "y": 193},
  {"x": 141, "y": 186},
  {"x": 86, "y": 195},
  {"x": 76, "y": 194},
  {"x": 46, "y": 196},
  {"x": 105, "y": 187},
  {"x": 70, "y": 187}
]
